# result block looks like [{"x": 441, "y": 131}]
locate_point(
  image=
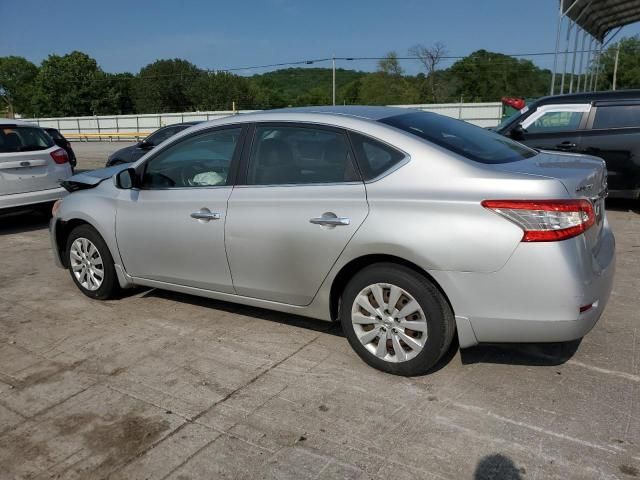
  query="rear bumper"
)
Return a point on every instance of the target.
[
  {"x": 14, "y": 200},
  {"x": 537, "y": 295}
]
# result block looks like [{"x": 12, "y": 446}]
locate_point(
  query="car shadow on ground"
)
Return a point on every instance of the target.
[
  {"x": 255, "y": 312},
  {"x": 550, "y": 354},
  {"x": 623, "y": 205},
  {"x": 23, "y": 221},
  {"x": 330, "y": 328},
  {"x": 532, "y": 354}
]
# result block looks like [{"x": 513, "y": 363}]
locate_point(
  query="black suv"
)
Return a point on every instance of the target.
[
  {"x": 134, "y": 152},
  {"x": 604, "y": 124}
]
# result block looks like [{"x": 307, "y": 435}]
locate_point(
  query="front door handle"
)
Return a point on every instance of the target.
[
  {"x": 205, "y": 215},
  {"x": 330, "y": 219},
  {"x": 566, "y": 146}
]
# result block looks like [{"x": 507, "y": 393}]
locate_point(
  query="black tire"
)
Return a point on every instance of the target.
[
  {"x": 439, "y": 317},
  {"x": 109, "y": 286}
]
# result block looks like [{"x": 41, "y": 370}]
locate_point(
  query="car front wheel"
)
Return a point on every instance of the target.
[
  {"x": 396, "y": 319},
  {"x": 90, "y": 263}
]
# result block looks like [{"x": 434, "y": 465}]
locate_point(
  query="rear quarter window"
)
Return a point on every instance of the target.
[
  {"x": 374, "y": 158},
  {"x": 618, "y": 116}
]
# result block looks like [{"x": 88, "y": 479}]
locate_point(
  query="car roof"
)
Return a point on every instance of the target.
[
  {"x": 360, "y": 111},
  {"x": 183, "y": 124},
  {"x": 589, "y": 97}
]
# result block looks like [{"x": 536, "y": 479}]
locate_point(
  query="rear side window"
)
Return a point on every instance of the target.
[
  {"x": 283, "y": 155},
  {"x": 619, "y": 116},
  {"x": 457, "y": 136},
  {"x": 374, "y": 157},
  {"x": 23, "y": 139}
]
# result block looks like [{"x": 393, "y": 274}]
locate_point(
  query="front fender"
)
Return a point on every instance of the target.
[{"x": 96, "y": 207}]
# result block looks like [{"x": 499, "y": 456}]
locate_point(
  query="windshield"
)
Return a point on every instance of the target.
[
  {"x": 161, "y": 135},
  {"x": 15, "y": 138},
  {"x": 470, "y": 141}
]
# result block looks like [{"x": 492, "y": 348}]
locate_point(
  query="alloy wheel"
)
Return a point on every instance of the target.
[
  {"x": 389, "y": 322},
  {"x": 86, "y": 264}
]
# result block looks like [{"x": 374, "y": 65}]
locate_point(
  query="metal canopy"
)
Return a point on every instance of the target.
[
  {"x": 599, "y": 17},
  {"x": 601, "y": 20}
]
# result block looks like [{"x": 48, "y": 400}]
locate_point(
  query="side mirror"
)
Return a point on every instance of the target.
[
  {"x": 126, "y": 179},
  {"x": 517, "y": 132}
]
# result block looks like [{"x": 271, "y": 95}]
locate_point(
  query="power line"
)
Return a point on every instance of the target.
[{"x": 199, "y": 72}]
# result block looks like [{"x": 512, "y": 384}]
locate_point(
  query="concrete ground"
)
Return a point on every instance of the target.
[
  {"x": 160, "y": 385},
  {"x": 92, "y": 155}
]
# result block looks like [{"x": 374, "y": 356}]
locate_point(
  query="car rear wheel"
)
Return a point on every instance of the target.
[
  {"x": 90, "y": 263},
  {"x": 396, "y": 319}
]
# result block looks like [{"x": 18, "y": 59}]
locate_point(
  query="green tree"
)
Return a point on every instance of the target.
[
  {"x": 219, "y": 91},
  {"x": 68, "y": 85},
  {"x": 487, "y": 76},
  {"x": 163, "y": 86},
  {"x": 388, "y": 85},
  {"x": 119, "y": 93},
  {"x": 628, "y": 65},
  {"x": 17, "y": 76}
]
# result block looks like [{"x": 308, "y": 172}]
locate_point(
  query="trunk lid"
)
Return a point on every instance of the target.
[
  {"x": 23, "y": 172},
  {"x": 584, "y": 177}
]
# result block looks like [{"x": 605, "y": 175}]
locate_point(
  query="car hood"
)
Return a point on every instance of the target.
[
  {"x": 91, "y": 178},
  {"x": 122, "y": 152}
]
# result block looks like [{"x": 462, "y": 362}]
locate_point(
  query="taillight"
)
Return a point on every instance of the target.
[
  {"x": 60, "y": 156},
  {"x": 546, "y": 220}
]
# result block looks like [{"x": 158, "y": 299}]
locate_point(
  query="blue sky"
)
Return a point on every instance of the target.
[{"x": 126, "y": 35}]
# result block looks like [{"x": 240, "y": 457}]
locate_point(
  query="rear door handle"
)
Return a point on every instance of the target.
[
  {"x": 205, "y": 215},
  {"x": 330, "y": 219},
  {"x": 566, "y": 145}
]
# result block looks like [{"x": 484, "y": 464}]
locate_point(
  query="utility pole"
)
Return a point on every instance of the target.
[
  {"x": 333, "y": 62},
  {"x": 615, "y": 66}
]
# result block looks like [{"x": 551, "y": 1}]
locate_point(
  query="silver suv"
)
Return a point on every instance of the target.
[{"x": 32, "y": 166}]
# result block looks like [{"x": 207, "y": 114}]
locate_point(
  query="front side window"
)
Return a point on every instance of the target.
[
  {"x": 470, "y": 141},
  {"x": 203, "y": 160},
  {"x": 618, "y": 116},
  {"x": 23, "y": 139},
  {"x": 559, "y": 121},
  {"x": 284, "y": 155}
]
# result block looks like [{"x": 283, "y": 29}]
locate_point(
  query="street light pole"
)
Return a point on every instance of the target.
[
  {"x": 615, "y": 67},
  {"x": 333, "y": 62}
]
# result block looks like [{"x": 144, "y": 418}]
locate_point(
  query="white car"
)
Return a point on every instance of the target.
[{"x": 31, "y": 166}]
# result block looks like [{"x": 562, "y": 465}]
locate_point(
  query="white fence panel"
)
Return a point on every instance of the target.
[
  {"x": 486, "y": 114},
  {"x": 113, "y": 127}
]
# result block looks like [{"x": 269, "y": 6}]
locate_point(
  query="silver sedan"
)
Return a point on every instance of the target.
[{"x": 408, "y": 227}]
